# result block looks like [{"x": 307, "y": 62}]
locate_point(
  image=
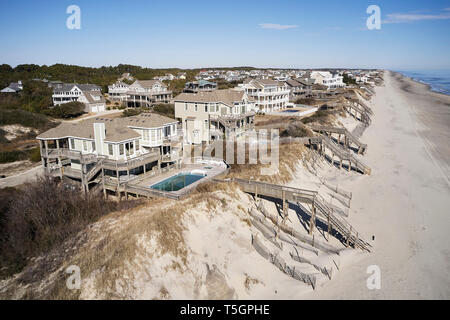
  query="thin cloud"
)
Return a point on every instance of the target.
[
  {"x": 276, "y": 26},
  {"x": 411, "y": 17}
]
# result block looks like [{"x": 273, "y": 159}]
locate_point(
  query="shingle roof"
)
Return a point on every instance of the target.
[
  {"x": 118, "y": 129},
  {"x": 90, "y": 96},
  {"x": 62, "y": 87},
  {"x": 226, "y": 96},
  {"x": 149, "y": 83}
]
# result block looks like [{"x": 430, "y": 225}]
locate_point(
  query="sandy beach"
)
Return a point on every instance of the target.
[{"x": 405, "y": 202}]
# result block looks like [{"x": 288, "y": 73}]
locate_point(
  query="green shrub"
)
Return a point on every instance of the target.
[
  {"x": 12, "y": 156},
  {"x": 165, "y": 109},
  {"x": 25, "y": 118},
  {"x": 131, "y": 112},
  {"x": 67, "y": 110},
  {"x": 35, "y": 154}
]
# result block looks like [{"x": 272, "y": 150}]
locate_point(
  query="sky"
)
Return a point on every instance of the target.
[{"x": 414, "y": 35}]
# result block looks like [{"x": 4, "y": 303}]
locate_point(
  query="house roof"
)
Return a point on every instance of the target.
[
  {"x": 226, "y": 96},
  {"x": 59, "y": 87},
  {"x": 92, "y": 95},
  {"x": 293, "y": 83},
  {"x": 262, "y": 82},
  {"x": 117, "y": 130},
  {"x": 149, "y": 83}
]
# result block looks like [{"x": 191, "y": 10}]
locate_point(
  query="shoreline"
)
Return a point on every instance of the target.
[
  {"x": 429, "y": 86},
  {"x": 404, "y": 203},
  {"x": 432, "y": 110}
]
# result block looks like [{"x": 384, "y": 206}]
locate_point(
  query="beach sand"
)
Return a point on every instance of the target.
[{"x": 405, "y": 202}]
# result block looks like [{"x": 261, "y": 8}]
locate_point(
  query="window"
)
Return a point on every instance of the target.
[
  {"x": 159, "y": 134},
  {"x": 195, "y": 107},
  {"x": 206, "y": 124},
  {"x": 185, "y": 106},
  {"x": 121, "y": 149},
  {"x": 206, "y": 107},
  {"x": 84, "y": 145},
  {"x": 137, "y": 145},
  {"x": 146, "y": 135},
  {"x": 93, "y": 145},
  {"x": 110, "y": 149},
  {"x": 72, "y": 143}
]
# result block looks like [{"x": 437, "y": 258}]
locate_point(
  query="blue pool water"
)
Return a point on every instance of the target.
[
  {"x": 290, "y": 111},
  {"x": 177, "y": 182}
]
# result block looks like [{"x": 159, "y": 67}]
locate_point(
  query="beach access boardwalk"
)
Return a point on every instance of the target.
[
  {"x": 349, "y": 138},
  {"x": 359, "y": 111},
  {"x": 319, "y": 208},
  {"x": 323, "y": 143}
]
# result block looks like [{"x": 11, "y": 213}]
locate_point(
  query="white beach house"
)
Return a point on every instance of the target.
[
  {"x": 120, "y": 146},
  {"x": 328, "y": 79},
  {"x": 269, "y": 95},
  {"x": 205, "y": 116}
]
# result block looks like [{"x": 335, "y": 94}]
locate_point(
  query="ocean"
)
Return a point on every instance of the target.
[{"x": 439, "y": 80}]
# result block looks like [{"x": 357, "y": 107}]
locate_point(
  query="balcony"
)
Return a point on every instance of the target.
[
  {"x": 171, "y": 157},
  {"x": 130, "y": 163}
]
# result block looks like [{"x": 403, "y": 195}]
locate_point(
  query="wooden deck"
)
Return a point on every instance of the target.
[
  {"x": 319, "y": 209},
  {"x": 349, "y": 138}
]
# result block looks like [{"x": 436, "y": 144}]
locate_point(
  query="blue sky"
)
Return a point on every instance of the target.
[{"x": 415, "y": 35}]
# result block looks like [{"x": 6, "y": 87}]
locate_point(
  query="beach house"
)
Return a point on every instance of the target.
[
  {"x": 299, "y": 88},
  {"x": 120, "y": 148},
  {"x": 200, "y": 85},
  {"x": 93, "y": 101},
  {"x": 145, "y": 93},
  {"x": 88, "y": 94},
  {"x": 13, "y": 87},
  {"x": 206, "y": 116},
  {"x": 118, "y": 91},
  {"x": 328, "y": 79},
  {"x": 269, "y": 95}
]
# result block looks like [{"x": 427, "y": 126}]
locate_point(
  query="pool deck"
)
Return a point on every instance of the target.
[{"x": 147, "y": 182}]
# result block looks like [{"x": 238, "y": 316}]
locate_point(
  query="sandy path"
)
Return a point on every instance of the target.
[
  {"x": 404, "y": 203},
  {"x": 23, "y": 177}
]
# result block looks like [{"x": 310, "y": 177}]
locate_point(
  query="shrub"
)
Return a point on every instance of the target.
[
  {"x": 25, "y": 118},
  {"x": 43, "y": 215},
  {"x": 165, "y": 109},
  {"x": 320, "y": 116},
  {"x": 12, "y": 156},
  {"x": 306, "y": 101},
  {"x": 67, "y": 110},
  {"x": 35, "y": 154},
  {"x": 131, "y": 112},
  {"x": 296, "y": 130}
]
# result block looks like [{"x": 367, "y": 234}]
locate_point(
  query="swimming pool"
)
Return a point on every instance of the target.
[
  {"x": 291, "y": 111},
  {"x": 178, "y": 182}
]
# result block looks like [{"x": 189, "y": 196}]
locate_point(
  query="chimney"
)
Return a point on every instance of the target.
[{"x": 99, "y": 136}]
